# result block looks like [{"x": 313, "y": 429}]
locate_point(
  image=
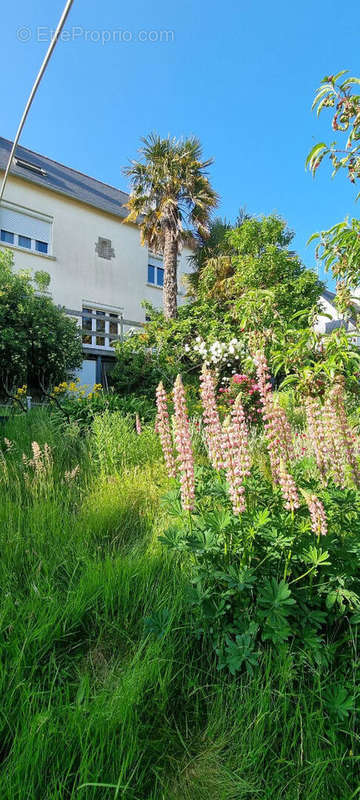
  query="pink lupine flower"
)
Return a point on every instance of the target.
[
  {"x": 317, "y": 514},
  {"x": 286, "y": 434},
  {"x": 263, "y": 376},
  {"x": 163, "y": 427},
  {"x": 335, "y": 442},
  {"x": 337, "y": 397},
  {"x": 277, "y": 427},
  {"x": 211, "y": 418},
  {"x": 317, "y": 435},
  {"x": 240, "y": 428},
  {"x": 288, "y": 488},
  {"x": 185, "y": 455},
  {"x": 234, "y": 474},
  {"x": 269, "y": 413},
  {"x": 137, "y": 424}
]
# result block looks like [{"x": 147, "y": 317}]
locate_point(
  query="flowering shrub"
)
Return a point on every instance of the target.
[
  {"x": 241, "y": 385},
  {"x": 273, "y": 554},
  {"x": 75, "y": 389},
  {"x": 222, "y": 356}
]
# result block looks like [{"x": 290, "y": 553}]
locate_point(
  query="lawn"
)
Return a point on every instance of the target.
[{"x": 106, "y": 689}]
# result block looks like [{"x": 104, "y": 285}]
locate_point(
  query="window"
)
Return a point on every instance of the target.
[
  {"x": 24, "y": 241},
  {"x": 7, "y": 236},
  {"x": 32, "y": 167},
  {"x": 24, "y": 228},
  {"x": 41, "y": 247},
  {"x": 99, "y": 327},
  {"x": 155, "y": 273},
  {"x": 104, "y": 249},
  {"x": 86, "y": 325},
  {"x": 113, "y": 326}
]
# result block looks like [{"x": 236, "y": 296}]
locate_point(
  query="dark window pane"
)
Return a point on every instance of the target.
[
  {"x": 100, "y": 340},
  {"x": 86, "y": 321},
  {"x": 151, "y": 274},
  {"x": 160, "y": 276},
  {"x": 41, "y": 247},
  {"x": 100, "y": 323},
  {"x": 113, "y": 325},
  {"x": 6, "y": 236},
  {"x": 86, "y": 326},
  {"x": 24, "y": 241}
]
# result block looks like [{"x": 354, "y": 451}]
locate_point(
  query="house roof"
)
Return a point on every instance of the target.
[{"x": 65, "y": 180}]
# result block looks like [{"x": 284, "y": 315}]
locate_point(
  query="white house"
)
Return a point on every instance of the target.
[
  {"x": 70, "y": 225},
  {"x": 331, "y": 318}
]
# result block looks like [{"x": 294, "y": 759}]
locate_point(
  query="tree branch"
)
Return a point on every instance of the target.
[{"x": 55, "y": 399}]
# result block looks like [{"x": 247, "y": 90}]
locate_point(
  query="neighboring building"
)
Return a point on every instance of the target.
[
  {"x": 72, "y": 226},
  {"x": 332, "y": 318}
]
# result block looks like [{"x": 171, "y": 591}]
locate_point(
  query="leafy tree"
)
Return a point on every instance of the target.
[
  {"x": 262, "y": 283},
  {"x": 214, "y": 245},
  {"x": 312, "y": 361},
  {"x": 339, "y": 247},
  {"x": 172, "y": 195},
  {"x": 39, "y": 343},
  {"x": 255, "y": 289}
]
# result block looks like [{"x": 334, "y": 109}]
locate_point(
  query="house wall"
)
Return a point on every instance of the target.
[
  {"x": 78, "y": 275},
  {"x": 331, "y": 314}
]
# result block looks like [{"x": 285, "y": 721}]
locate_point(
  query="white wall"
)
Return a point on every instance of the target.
[
  {"x": 330, "y": 311},
  {"x": 78, "y": 275},
  {"x": 87, "y": 375}
]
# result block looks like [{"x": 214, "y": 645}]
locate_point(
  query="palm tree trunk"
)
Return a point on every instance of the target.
[{"x": 171, "y": 248}]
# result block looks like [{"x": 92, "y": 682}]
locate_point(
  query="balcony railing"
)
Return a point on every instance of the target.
[{"x": 100, "y": 329}]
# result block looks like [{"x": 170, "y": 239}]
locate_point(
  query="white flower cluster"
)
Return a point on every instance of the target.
[{"x": 218, "y": 354}]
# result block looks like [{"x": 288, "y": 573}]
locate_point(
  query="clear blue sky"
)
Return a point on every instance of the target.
[{"x": 241, "y": 76}]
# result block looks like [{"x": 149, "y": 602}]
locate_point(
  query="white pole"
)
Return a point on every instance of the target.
[{"x": 46, "y": 60}]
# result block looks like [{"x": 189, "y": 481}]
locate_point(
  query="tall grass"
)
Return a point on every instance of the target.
[{"x": 97, "y": 703}]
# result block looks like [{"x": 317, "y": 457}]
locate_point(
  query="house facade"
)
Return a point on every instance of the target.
[
  {"x": 72, "y": 226},
  {"x": 331, "y": 318}
]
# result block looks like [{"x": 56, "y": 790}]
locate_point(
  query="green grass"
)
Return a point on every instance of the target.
[{"x": 94, "y": 707}]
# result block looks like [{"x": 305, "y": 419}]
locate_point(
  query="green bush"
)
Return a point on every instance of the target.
[
  {"x": 39, "y": 343},
  {"x": 82, "y": 409}
]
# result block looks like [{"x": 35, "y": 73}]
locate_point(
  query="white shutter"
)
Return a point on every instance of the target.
[{"x": 25, "y": 225}]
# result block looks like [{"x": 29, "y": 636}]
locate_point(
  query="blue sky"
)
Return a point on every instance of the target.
[{"x": 241, "y": 76}]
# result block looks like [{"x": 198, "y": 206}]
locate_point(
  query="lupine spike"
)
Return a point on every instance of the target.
[
  {"x": 288, "y": 488},
  {"x": 317, "y": 514},
  {"x": 337, "y": 397},
  {"x": 211, "y": 418},
  {"x": 277, "y": 428},
  {"x": 317, "y": 435},
  {"x": 163, "y": 428},
  {"x": 185, "y": 455}
]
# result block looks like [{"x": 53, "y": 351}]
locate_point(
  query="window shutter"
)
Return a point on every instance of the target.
[{"x": 25, "y": 225}]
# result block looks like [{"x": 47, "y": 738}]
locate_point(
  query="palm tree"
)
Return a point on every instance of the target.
[{"x": 172, "y": 196}]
